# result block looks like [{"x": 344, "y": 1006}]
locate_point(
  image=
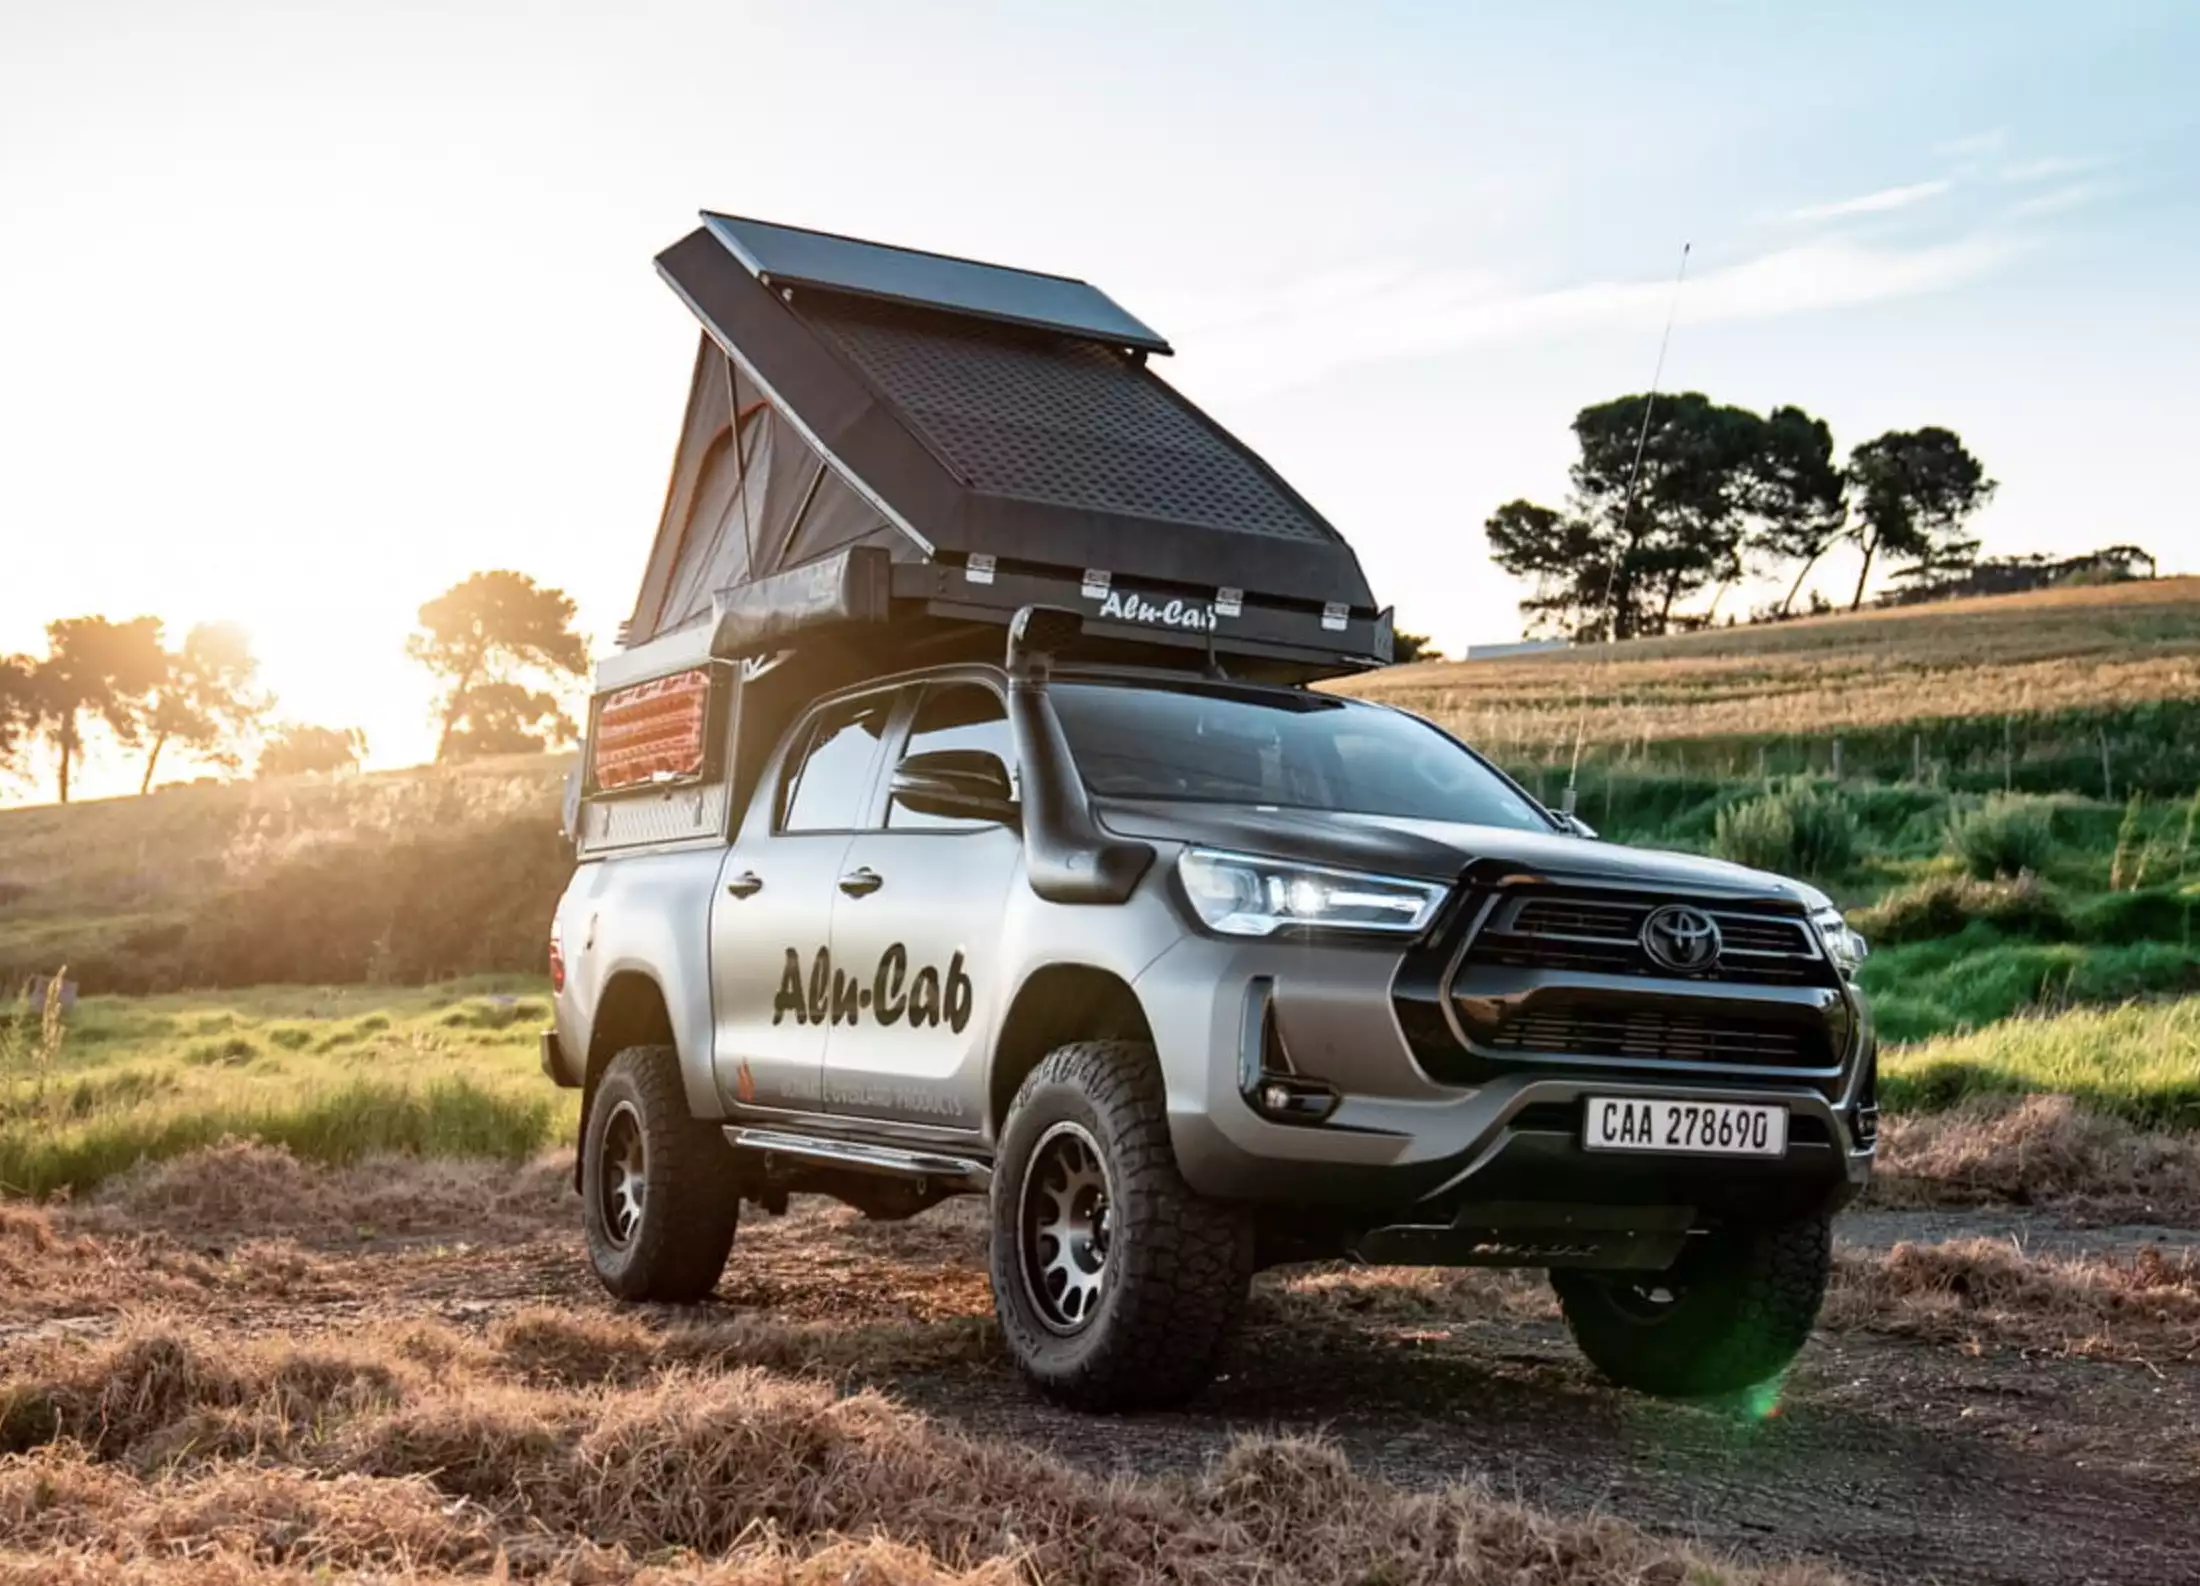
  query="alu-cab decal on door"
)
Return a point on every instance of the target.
[{"x": 830, "y": 996}]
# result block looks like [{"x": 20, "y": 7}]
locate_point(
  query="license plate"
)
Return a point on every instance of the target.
[{"x": 1692, "y": 1128}]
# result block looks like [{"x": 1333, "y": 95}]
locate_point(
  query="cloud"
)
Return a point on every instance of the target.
[
  {"x": 1973, "y": 144},
  {"x": 1307, "y": 329},
  {"x": 2048, "y": 169},
  {"x": 2055, "y": 201},
  {"x": 1873, "y": 203}
]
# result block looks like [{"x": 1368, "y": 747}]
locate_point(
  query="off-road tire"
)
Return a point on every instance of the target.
[
  {"x": 1179, "y": 1267},
  {"x": 1744, "y": 1300},
  {"x": 691, "y": 1202}
]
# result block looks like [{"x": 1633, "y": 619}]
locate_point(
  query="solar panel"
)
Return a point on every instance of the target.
[{"x": 792, "y": 256}]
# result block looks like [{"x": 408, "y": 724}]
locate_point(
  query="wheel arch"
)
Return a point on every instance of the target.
[
  {"x": 1054, "y": 1006},
  {"x": 630, "y": 1011}
]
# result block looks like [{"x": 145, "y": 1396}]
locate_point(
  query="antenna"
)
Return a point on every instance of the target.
[{"x": 1572, "y": 795}]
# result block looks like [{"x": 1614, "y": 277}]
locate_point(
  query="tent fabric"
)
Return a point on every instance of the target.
[{"x": 749, "y": 497}]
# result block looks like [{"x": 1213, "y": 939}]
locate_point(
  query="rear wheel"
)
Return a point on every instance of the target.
[
  {"x": 659, "y": 1198},
  {"x": 1117, "y": 1287},
  {"x": 1734, "y": 1311}
]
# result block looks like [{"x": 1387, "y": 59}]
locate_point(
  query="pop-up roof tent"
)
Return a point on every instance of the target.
[
  {"x": 886, "y": 455},
  {"x": 875, "y": 434}
]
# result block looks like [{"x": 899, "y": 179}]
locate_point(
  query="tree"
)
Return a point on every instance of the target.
[
  {"x": 1635, "y": 542},
  {"x": 1563, "y": 557},
  {"x": 487, "y": 631},
  {"x": 1406, "y": 647},
  {"x": 1913, "y": 490},
  {"x": 209, "y": 700},
  {"x": 507, "y": 718},
  {"x": 295, "y": 750},
  {"x": 1794, "y": 494},
  {"x": 92, "y": 665},
  {"x": 15, "y": 706}
]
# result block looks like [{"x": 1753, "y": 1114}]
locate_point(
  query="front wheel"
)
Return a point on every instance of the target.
[
  {"x": 1734, "y": 1312},
  {"x": 659, "y": 1197},
  {"x": 1116, "y": 1286}
]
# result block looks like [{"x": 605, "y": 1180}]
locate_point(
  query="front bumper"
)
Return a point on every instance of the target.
[{"x": 1404, "y": 1144}]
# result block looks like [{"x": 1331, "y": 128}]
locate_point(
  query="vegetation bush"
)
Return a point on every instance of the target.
[
  {"x": 1804, "y": 828},
  {"x": 2009, "y": 834},
  {"x": 2151, "y": 914},
  {"x": 1942, "y": 905}
]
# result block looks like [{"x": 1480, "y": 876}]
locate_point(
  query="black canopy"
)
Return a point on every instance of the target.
[{"x": 994, "y": 434}]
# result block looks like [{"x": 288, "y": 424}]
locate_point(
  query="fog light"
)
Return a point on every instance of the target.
[
  {"x": 1867, "y": 1124},
  {"x": 1295, "y": 1100}
]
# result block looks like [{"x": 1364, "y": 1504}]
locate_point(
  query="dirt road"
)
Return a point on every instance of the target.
[{"x": 1945, "y": 1439}]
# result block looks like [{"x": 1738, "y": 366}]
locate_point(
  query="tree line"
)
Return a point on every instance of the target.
[
  {"x": 487, "y": 642},
  {"x": 1704, "y": 495}
]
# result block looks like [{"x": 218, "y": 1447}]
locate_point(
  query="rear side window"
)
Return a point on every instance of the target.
[
  {"x": 954, "y": 716},
  {"x": 828, "y": 788}
]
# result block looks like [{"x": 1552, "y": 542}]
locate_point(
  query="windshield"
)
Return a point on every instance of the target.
[{"x": 1302, "y": 751}]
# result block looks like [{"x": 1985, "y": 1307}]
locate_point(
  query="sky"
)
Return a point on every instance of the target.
[{"x": 309, "y": 310}]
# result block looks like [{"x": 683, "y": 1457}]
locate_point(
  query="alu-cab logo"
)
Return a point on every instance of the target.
[
  {"x": 1682, "y": 939},
  {"x": 1124, "y": 606}
]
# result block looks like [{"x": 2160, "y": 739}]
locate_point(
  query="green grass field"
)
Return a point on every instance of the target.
[
  {"x": 335, "y": 1074},
  {"x": 2139, "y": 1062},
  {"x": 332, "y": 1073}
]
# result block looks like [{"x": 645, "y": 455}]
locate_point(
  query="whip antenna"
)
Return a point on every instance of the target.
[{"x": 1626, "y": 513}]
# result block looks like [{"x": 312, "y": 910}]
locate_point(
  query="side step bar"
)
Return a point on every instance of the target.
[{"x": 959, "y": 1172}]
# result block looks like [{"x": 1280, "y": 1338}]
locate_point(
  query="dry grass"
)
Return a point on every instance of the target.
[
  {"x": 2034, "y": 1151},
  {"x": 2056, "y": 650},
  {"x": 1987, "y": 1292},
  {"x": 429, "y": 1454},
  {"x": 48, "y": 1271},
  {"x": 243, "y": 1184}
]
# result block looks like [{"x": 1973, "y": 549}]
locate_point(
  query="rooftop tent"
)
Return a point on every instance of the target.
[{"x": 977, "y": 438}]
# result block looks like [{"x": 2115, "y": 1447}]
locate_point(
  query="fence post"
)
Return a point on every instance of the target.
[
  {"x": 1917, "y": 757},
  {"x": 2008, "y": 754},
  {"x": 2108, "y": 780},
  {"x": 1837, "y": 759}
]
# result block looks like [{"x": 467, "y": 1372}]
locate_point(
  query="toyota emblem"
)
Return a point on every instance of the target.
[{"x": 1681, "y": 939}]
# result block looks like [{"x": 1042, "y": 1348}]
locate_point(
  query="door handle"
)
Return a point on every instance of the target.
[
  {"x": 746, "y": 885},
  {"x": 861, "y": 882}
]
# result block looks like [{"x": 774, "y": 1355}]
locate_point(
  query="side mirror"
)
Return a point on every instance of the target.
[
  {"x": 1578, "y": 827},
  {"x": 962, "y": 784}
]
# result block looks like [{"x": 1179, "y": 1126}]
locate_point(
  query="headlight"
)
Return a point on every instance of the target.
[
  {"x": 1844, "y": 946},
  {"x": 1240, "y": 895}
]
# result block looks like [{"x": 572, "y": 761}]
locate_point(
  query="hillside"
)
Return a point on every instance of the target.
[
  {"x": 2017, "y": 688},
  {"x": 406, "y": 876},
  {"x": 151, "y": 892}
]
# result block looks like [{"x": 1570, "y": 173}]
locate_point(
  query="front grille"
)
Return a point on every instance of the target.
[
  {"x": 1662, "y": 1035},
  {"x": 1602, "y": 935}
]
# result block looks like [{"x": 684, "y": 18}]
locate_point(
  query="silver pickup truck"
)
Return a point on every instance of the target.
[{"x": 1189, "y": 967}]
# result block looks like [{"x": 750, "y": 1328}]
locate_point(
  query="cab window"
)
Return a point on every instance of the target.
[
  {"x": 954, "y": 716},
  {"x": 828, "y": 788}
]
